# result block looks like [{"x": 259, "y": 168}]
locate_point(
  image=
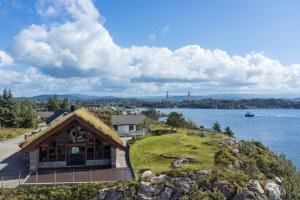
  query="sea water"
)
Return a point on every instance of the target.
[{"x": 279, "y": 129}]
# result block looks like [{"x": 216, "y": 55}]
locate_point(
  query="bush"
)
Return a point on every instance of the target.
[
  {"x": 189, "y": 124},
  {"x": 216, "y": 127},
  {"x": 228, "y": 132},
  {"x": 196, "y": 193}
]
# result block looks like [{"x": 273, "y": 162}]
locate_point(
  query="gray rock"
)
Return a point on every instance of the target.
[
  {"x": 110, "y": 193},
  {"x": 161, "y": 178},
  {"x": 182, "y": 184},
  {"x": 166, "y": 194},
  {"x": 200, "y": 175},
  {"x": 146, "y": 175},
  {"x": 246, "y": 194},
  {"x": 256, "y": 187},
  {"x": 224, "y": 187},
  {"x": 236, "y": 152},
  {"x": 177, "y": 163},
  {"x": 273, "y": 190},
  {"x": 146, "y": 191},
  {"x": 278, "y": 180}
]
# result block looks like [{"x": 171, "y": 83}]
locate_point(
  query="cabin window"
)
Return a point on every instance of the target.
[
  {"x": 43, "y": 154},
  {"x": 98, "y": 149},
  {"x": 131, "y": 127},
  {"x": 61, "y": 153},
  {"x": 106, "y": 152},
  {"x": 90, "y": 153},
  {"x": 52, "y": 150}
]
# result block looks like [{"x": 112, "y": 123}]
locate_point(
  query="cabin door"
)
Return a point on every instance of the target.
[{"x": 76, "y": 156}]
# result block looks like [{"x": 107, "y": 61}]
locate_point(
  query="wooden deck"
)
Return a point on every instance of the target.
[{"x": 68, "y": 176}]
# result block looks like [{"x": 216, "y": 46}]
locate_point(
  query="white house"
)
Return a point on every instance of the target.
[{"x": 126, "y": 125}]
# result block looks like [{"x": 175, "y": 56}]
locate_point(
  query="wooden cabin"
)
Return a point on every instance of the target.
[{"x": 78, "y": 139}]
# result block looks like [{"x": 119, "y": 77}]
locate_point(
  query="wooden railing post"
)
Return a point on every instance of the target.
[
  {"x": 36, "y": 176},
  {"x": 73, "y": 176},
  {"x": 54, "y": 177}
]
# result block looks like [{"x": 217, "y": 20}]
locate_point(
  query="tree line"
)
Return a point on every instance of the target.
[{"x": 16, "y": 113}]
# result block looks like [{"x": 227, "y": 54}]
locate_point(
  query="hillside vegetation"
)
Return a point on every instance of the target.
[
  {"x": 230, "y": 160},
  {"x": 8, "y": 133},
  {"x": 158, "y": 152}
]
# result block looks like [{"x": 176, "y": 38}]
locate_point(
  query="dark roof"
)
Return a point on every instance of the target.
[
  {"x": 127, "y": 119},
  {"x": 56, "y": 115},
  {"x": 45, "y": 114}
]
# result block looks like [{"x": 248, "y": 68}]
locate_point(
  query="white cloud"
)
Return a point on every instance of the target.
[
  {"x": 81, "y": 51},
  {"x": 5, "y": 59}
]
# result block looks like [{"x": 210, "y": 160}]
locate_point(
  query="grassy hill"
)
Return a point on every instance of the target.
[
  {"x": 237, "y": 162},
  {"x": 158, "y": 152}
]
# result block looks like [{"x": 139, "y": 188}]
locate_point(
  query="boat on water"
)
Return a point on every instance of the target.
[{"x": 249, "y": 114}]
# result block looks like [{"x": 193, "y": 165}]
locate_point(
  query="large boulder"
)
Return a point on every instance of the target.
[
  {"x": 147, "y": 175},
  {"x": 112, "y": 193},
  {"x": 161, "y": 178},
  {"x": 199, "y": 175},
  {"x": 146, "y": 191},
  {"x": 256, "y": 187},
  {"x": 273, "y": 190},
  {"x": 224, "y": 187},
  {"x": 246, "y": 194},
  {"x": 166, "y": 194},
  {"x": 182, "y": 184}
]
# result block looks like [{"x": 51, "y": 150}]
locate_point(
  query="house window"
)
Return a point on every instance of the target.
[
  {"x": 43, "y": 154},
  {"x": 131, "y": 127},
  {"x": 106, "y": 152}
]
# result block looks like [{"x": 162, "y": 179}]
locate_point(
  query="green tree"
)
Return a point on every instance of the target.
[
  {"x": 53, "y": 103},
  {"x": 216, "y": 127},
  {"x": 28, "y": 116},
  {"x": 8, "y": 110},
  {"x": 151, "y": 113},
  {"x": 176, "y": 120},
  {"x": 65, "y": 103},
  {"x": 14, "y": 113},
  {"x": 5, "y": 94},
  {"x": 228, "y": 132}
]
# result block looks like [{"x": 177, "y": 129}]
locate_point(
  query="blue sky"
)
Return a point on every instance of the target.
[{"x": 159, "y": 45}]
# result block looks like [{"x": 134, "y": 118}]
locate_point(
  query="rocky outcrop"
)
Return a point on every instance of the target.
[
  {"x": 164, "y": 187},
  {"x": 273, "y": 190}
]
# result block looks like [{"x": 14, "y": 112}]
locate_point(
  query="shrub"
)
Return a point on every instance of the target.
[
  {"x": 216, "y": 127},
  {"x": 196, "y": 193},
  {"x": 189, "y": 124},
  {"x": 228, "y": 132}
]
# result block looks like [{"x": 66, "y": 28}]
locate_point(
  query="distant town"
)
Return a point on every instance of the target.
[{"x": 169, "y": 101}]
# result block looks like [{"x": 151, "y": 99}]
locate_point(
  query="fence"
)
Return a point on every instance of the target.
[
  {"x": 53, "y": 177},
  {"x": 12, "y": 180}
]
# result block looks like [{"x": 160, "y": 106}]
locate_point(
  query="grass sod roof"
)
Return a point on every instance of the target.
[{"x": 86, "y": 116}]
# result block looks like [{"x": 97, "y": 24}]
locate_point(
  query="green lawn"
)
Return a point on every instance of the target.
[
  {"x": 8, "y": 133},
  {"x": 146, "y": 153}
]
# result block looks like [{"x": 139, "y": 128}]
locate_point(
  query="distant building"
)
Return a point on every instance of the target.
[
  {"x": 126, "y": 125},
  {"x": 44, "y": 115},
  {"x": 57, "y": 115},
  {"x": 168, "y": 99},
  {"x": 189, "y": 98}
]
